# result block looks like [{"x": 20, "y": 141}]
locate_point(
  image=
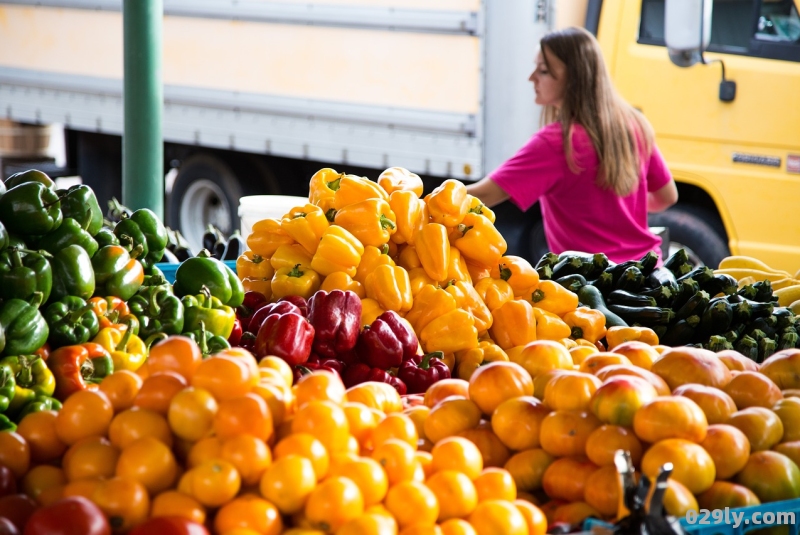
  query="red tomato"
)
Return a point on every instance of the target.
[
  {"x": 169, "y": 525},
  {"x": 17, "y": 508},
  {"x": 8, "y": 482},
  {"x": 74, "y": 515}
]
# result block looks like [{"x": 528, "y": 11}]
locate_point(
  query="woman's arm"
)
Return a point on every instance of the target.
[
  {"x": 487, "y": 191},
  {"x": 661, "y": 199}
]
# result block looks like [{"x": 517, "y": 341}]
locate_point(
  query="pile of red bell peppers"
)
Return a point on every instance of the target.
[{"x": 325, "y": 333}]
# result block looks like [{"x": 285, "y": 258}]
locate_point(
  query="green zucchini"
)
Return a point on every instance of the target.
[
  {"x": 663, "y": 295},
  {"x": 621, "y": 297},
  {"x": 748, "y": 347},
  {"x": 604, "y": 282},
  {"x": 545, "y": 272},
  {"x": 681, "y": 332},
  {"x": 766, "y": 324},
  {"x": 646, "y": 316},
  {"x": 720, "y": 284},
  {"x": 572, "y": 282},
  {"x": 784, "y": 316},
  {"x": 756, "y": 334},
  {"x": 718, "y": 343},
  {"x": 660, "y": 330},
  {"x": 716, "y": 318},
  {"x": 569, "y": 265},
  {"x": 788, "y": 339},
  {"x": 663, "y": 277},
  {"x": 766, "y": 347},
  {"x": 678, "y": 263},
  {"x": 686, "y": 289},
  {"x": 694, "y": 305},
  {"x": 618, "y": 269},
  {"x": 649, "y": 263},
  {"x": 547, "y": 259},
  {"x": 760, "y": 291},
  {"x": 631, "y": 280},
  {"x": 701, "y": 274},
  {"x": 590, "y": 296}
]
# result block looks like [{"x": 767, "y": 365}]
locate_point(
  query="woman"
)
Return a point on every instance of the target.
[{"x": 594, "y": 166}]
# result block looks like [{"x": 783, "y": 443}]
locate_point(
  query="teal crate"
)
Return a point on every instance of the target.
[{"x": 169, "y": 269}]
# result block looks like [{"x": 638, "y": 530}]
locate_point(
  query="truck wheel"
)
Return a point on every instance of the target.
[
  {"x": 697, "y": 230},
  {"x": 206, "y": 191}
]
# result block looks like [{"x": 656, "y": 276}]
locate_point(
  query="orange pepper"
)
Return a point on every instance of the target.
[
  {"x": 448, "y": 203},
  {"x": 553, "y": 297},
  {"x": 109, "y": 311},
  {"x": 419, "y": 279},
  {"x": 517, "y": 272},
  {"x": 494, "y": 292},
  {"x": 477, "y": 272},
  {"x": 411, "y": 213},
  {"x": 342, "y": 281},
  {"x": 372, "y": 221},
  {"x": 266, "y": 236},
  {"x": 372, "y": 258},
  {"x": 261, "y": 285},
  {"x": 320, "y": 190},
  {"x": 477, "y": 207},
  {"x": 430, "y": 303},
  {"x": 370, "y": 310},
  {"x": 251, "y": 265},
  {"x": 514, "y": 324},
  {"x": 408, "y": 258},
  {"x": 617, "y": 335},
  {"x": 450, "y": 332},
  {"x": 295, "y": 280},
  {"x": 390, "y": 286},
  {"x": 305, "y": 224},
  {"x": 480, "y": 241},
  {"x": 586, "y": 323},
  {"x": 467, "y": 298},
  {"x": 400, "y": 179},
  {"x": 469, "y": 360},
  {"x": 352, "y": 189},
  {"x": 457, "y": 268},
  {"x": 549, "y": 326},
  {"x": 338, "y": 251},
  {"x": 289, "y": 256},
  {"x": 433, "y": 250}
]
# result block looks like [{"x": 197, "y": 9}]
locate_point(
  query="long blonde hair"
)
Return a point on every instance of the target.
[{"x": 591, "y": 101}]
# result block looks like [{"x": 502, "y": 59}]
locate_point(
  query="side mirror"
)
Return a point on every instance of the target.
[{"x": 687, "y": 30}]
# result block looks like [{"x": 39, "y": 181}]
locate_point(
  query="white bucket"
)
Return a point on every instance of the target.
[{"x": 254, "y": 208}]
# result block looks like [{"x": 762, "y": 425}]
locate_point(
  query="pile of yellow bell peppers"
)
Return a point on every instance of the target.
[{"x": 437, "y": 260}]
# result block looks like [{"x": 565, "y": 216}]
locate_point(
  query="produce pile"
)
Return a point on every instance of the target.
[{"x": 381, "y": 367}]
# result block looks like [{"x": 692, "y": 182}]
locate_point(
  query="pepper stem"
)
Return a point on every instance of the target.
[
  {"x": 153, "y": 338},
  {"x": 125, "y": 337},
  {"x": 505, "y": 272},
  {"x": 334, "y": 184},
  {"x": 155, "y": 309},
  {"x": 463, "y": 229},
  {"x": 295, "y": 272},
  {"x": 330, "y": 215},
  {"x": 577, "y": 332},
  {"x": 386, "y": 222},
  {"x": 24, "y": 376},
  {"x": 87, "y": 369},
  {"x": 384, "y": 248},
  {"x": 205, "y": 292},
  {"x": 537, "y": 296},
  {"x": 76, "y": 315},
  {"x": 257, "y": 259},
  {"x": 15, "y": 257},
  {"x": 203, "y": 343},
  {"x": 36, "y": 299},
  {"x": 304, "y": 370},
  {"x": 204, "y": 253},
  {"x": 137, "y": 251},
  {"x": 425, "y": 363}
]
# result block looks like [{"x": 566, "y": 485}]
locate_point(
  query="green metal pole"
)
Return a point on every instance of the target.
[{"x": 142, "y": 144}]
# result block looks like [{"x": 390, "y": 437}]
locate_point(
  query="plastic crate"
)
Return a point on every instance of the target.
[
  {"x": 720, "y": 528},
  {"x": 169, "y": 269}
]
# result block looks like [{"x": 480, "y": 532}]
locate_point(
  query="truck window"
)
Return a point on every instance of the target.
[{"x": 767, "y": 29}]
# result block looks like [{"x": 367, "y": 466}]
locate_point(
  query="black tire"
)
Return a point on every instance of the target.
[{"x": 696, "y": 229}]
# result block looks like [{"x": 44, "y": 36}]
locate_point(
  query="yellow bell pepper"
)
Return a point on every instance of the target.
[
  {"x": 411, "y": 213},
  {"x": 408, "y": 258},
  {"x": 261, "y": 285},
  {"x": 477, "y": 207},
  {"x": 586, "y": 323},
  {"x": 433, "y": 250},
  {"x": 617, "y": 335},
  {"x": 338, "y": 251},
  {"x": 295, "y": 280},
  {"x": 289, "y": 256},
  {"x": 517, "y": 272},
  {"x": 494, "y": 292},
  {"x": 448, "y": 204},
  {"x": 322, "y": 188},
  {"x": 370, "y": 310},
  {"x": 342, "y": 281},
  {"x": 467, "y": 298},
  {"x": 514, "y": 324},
  {"x": 127, "y": 350},
  {"x": 477, "y": 272},
  {"x": 553, "y": 297},
  {"x": 449, "y": 359},
  {"x": 266, "y": 236},
  {"x": 419, "y": 279},
  {"x": 451, "y": 332},
  {"x": 480, "y": 241},
  {"x": 305, "y": 224},
  {"x": 371, "y": 221},
  {"x": 390, "y": 286},
  {"x": 549, "y": 326},
  {"x": 430, "y": 303},
  {"x": 457, "y": 268},
  {"x": 372, "y": 258},
  {"x": 400, "y": 179},
  {"x": 469, "y": 360},
  {"x": 352, "y": 189},
  {"x": 392, "y": 249},
  {"x": 255, "y": 266}
]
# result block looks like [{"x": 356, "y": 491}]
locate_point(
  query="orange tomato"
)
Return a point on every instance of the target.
[
  {"x": 715, "y": 403},
  {"x": 85, "y": 413},
  {"x": 678, "y": 500},
  {"x": 498, "y": 516},
  {"x": 619, "y": 398},
  {"x": 762, "y": 427},
  {"x": 362, "y": 420},
  {"x": 249, "y": 454},
  {"x": 380, "y": 396},
  {"x": 496, "y": 382},
  {"x": 455, "y": 493},
  {"x": 226, "y": 377},
  {"x": 136, "y": 423},
  {"x": 90, "y": 458},
  {"x": 243, "y": 414},
  {"x": 125, "y": 500},
  {"x": 305, "y": 445},
  {"x": 41, "y": 479},
  {"x": 602, "y": 490},
  {"x": 565, "y": 433},
  {"x": 597, "y": 361},
  {"x": 277, "y": 363},
  {"x": 158, "y": 390},
  {"x": 753, "y": 389},
  {"x": 397, "y": 459},
  {"x": 573, "y": 513},
  {"x": 39, "y": 431},
  {"x": 692, "y": 465},
  {"x": 368, "y": 474},
  {"x": 788, "y": 410},
  {"x": 191, "y": 413},
  {"x": 121, "y": 388},
  {"x": 681, "y": 365},
  {"x": 495, "y": 484},
  {"x": 604, "y": 441},
  {"x": 288, "y": 482},
  {"x": 205, "y": 449},
  {"x": 670, "y": 417},
  {"x": 570, "y": 391},
  {"x": 326, "y": 421},
  {"x": 279, "y": 400},
  {"x": 541, "y": 381},
  {"x": 411, "y": 502},
  {"x": 368, "y": 524},
  {"x": 790, "y": 449},
  {"x": 639, "y": 353},
  {"x": 534, "y": 517},
  {"x": 333, "y": 503},
  {"x": 735, "y": 361},
  {"x": 396, "y": 425},
  {"x": 457, "y": 526},
  {"x": 493, "y": 451},
  {"x": 724, "y": 494},
  {"x": 782, "y": 368},
  {"x": 212, "y": 483},
  {"x": 444, "y": 389},
  {"x": 175, "y": 353},
  {"x": 449, "y": 417},
  {"x": 565, "y": 478},
  {"x": 517, "y": 422},
  {"x": 581, "y": 352},
  {"x": 174, "y": 503},
  {"x": 771, "y": 476},
  {"x": 728, "y": 448},
  {"x": 540, "y": 356},
  {"x": 528, "y": 467},
  {"x": 150, "y": 462},
  {"x": 320, "y": 385},
  {"x": 621, "y": 369},
  {"x": 456, "y": 453},
  {"x": 249, "y": 512}
]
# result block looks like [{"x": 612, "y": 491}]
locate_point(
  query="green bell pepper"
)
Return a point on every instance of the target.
[
  {"x": 25, "y": 328},
  {"x": 158, "y": 310},
  {"x": 105, "y": 236},
  {"x": 118, "y": 272},
  {"x": 80, "y": 203},
  {"x": 204, "y": 270},
  {"x": 68, "y": 233},
  {"x": 72, "y": 273},
  {"x": 71, "y": 320},
  {"x": 8, "y": 387},
  {"x": 208, "y": 342},
  {"x": 24, "y": 272},
  {"x": 6, "y": 424},
  {"x": 155, "y": 280},
  {"x": 33, "y": 379},
  {"x": 203, "y": 307},
  {"x": 39, "y": 404},
  {"x": 147, "y": 230},
  {"x": 4, "y": 237},
  {"x": 31, "y": 175},
  {"x": 30, "y": 209},
  {"x": 16, "y": 241}
]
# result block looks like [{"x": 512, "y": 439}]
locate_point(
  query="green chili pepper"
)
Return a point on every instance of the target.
[
  {"x": 72, "y": 273},
  {"x": 39, "y": 404},
  {"x": 68, "y": 233},
  {"x": 24, "y": 272},
  {"x": 33, "y": 378},
  {"x": 80, "y": 203},
  {"x": 203, "y": 307},
  {"x": 8, "y": 386},
  {"x": 25, "y": 328},
  {"x": 30, "y": 209},
  {"x": 71, "y": 320},
  {"x": 158, "y": 310}
]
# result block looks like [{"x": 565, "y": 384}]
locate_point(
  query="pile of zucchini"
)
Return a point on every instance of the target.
[{"x": 684, "y": 305}]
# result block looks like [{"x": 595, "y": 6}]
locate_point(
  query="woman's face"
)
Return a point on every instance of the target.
[{"x": 549, "y": 83}]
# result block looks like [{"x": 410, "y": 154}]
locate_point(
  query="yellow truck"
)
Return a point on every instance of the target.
[{"x": 260, "y": 94}]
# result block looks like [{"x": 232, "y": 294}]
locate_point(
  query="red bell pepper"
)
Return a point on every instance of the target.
[
  {"x": 288, "y": 336},
  {"x": 358, "y": 373},
  {"x": 248, "y": 341},
  {"x": 398, "y": 384},
  {"x": 299, "y": 301},
  {"x": 315, "y": 363},
  {"x": 281, "y": 307},
  {"x": 421, "y": 371},
  {"x": 79, "y": 367},
  {"x": 252, "y": 302},
  {"x": 235, "y": 337},
  {"x": 336, "y": 317},
  {"x": 387, "y": 342}
]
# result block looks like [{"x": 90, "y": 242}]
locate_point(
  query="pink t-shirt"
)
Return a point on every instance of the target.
[{"x": 578, "y": 214}]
